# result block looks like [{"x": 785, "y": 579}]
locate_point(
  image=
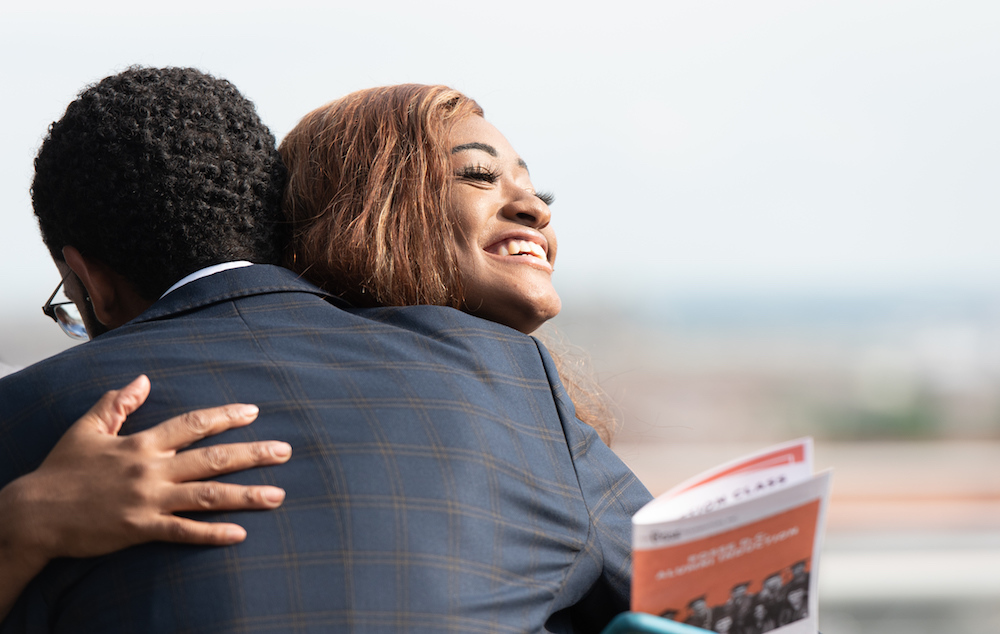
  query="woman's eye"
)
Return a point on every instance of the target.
[
  {"x": 479, "y": 173},
  {"x": 546, "y": 197}
]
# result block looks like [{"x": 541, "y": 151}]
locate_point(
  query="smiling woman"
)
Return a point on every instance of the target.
[{"x": 406, "y": 195}]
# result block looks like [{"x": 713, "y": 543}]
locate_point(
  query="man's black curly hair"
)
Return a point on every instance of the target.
[{"x": 158, "y": 172}]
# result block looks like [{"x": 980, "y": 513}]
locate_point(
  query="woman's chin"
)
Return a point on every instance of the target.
[
  {"x": 551, "y": 312},
  {"x": 526, "y": 316},
  {"x": 536, "y": 314}
]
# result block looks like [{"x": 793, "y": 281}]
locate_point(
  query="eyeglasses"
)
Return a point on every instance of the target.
[{"x": 66, "y": 315}]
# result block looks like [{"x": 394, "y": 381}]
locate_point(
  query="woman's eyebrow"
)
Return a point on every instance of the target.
[
  {"x": 489, "y": 149},
  {"x": 475, "y": 145}
]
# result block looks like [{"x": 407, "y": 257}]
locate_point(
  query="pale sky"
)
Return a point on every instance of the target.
[{"x": 697, "y": 146}]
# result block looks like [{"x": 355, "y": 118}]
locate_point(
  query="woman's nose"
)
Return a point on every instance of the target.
[{"x": 528, "y": 209}]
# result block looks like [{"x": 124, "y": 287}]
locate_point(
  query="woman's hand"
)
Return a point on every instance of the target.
[{"x": 97, "y": 492}]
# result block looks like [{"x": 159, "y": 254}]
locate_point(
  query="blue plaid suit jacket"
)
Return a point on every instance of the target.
[{"x": 439, "y": 482}]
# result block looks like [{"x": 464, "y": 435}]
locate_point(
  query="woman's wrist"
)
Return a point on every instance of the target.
[
  {"x": 22, "y": 543},
  {"x": 22, "y": 551}
]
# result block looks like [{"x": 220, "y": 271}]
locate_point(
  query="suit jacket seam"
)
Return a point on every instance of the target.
[
  {"x": 591, "y": 529},
  {"x": 250, "y": 331}
]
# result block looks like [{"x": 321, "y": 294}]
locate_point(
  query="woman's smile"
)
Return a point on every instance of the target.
[{"x": 522, "y": 248}]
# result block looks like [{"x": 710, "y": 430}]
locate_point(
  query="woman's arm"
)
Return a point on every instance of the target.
[{"x": 98, "y": 492}]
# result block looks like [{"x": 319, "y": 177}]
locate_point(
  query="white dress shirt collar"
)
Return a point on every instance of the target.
[{"x": 205, "y": 272}]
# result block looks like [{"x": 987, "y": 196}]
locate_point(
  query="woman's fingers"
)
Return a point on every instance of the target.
[
  {"x": 97, "y": 492},
  {"x": 170, "y": 528},
  {"x": 221, "y": 496},
  {"x": 110, "y": 412},
  {"x": 181, "y": 431},
  {"x": 127, "y": 400},
  {"x": 207, "y": 462}
]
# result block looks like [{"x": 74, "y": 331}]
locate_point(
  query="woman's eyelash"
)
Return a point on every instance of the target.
[
  {"x": 479, "y": 173},
  {"x": 486, "y": 174}
]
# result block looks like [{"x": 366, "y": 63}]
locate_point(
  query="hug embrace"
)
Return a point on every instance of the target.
[{"x": 371, "y": 290}]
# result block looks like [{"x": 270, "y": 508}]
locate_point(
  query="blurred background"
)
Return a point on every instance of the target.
[{"x": 776, "y": 219}]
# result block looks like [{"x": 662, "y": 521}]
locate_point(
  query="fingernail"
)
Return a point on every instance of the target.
[
  {"x": 274, "y": 494},
  {"x": 249, "y": 410},
  {"x": 235, "y": 533},
  {"x": 281, "y": 449}
]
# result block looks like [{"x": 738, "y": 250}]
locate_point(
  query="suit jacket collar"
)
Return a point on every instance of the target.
[{"x": 258, "y": 279}]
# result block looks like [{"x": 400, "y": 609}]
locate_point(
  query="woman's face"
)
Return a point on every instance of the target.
[{"x": 506, "y": 248}]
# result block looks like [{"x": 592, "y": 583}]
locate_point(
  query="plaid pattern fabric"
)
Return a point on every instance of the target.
[{"x": 439, "y": 479}]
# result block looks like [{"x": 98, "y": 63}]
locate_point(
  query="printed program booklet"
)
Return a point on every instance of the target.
[{"x": 736, "y": 549}]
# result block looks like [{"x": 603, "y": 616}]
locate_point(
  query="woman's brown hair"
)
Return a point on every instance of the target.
[
  {"x": 369, "y": 177},
  {"x": 367, "y": 196}
]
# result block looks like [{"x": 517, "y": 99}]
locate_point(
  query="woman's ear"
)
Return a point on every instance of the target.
[{"x": 111, "y": 296}]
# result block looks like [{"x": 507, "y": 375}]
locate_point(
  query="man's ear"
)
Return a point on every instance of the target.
[{"x": 112, "y": 297}]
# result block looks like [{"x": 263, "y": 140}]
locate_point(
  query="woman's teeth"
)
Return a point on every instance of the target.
[{"x": 521, "y": 247}]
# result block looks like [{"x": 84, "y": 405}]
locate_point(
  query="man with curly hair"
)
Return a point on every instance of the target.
[
  {"x": 439, "y": 479},
  {"x": 151, "y": 175}
]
